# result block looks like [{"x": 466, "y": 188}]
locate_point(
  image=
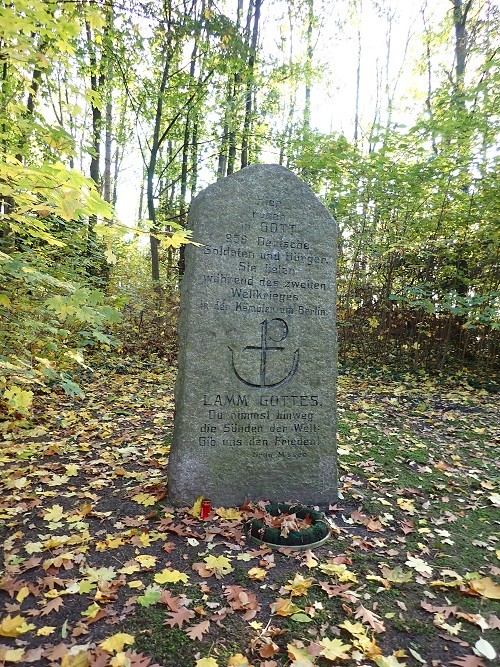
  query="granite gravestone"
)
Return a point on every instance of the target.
[{"x": 255, "y": 395}]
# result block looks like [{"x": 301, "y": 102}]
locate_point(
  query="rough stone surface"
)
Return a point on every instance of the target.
[{"x": 255, "y": 395}]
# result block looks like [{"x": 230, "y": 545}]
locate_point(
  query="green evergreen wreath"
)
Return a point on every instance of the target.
[{"x": 318, "y": 531}]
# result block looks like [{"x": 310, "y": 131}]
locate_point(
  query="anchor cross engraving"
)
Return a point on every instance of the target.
[{"x": 266, "y": 347}]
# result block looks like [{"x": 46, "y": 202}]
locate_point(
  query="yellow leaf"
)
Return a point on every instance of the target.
[
  {"x": 110, "y": 256},
  {"x": 13, "y": 626},
  {"x": 257, "y": 573},
  {"x": 397, "y": 575},
  {"x": 170, "y": 577},
  {"x": 207, "y": 662},
  {"x": 284, "y": 607},
  {"x": 367, "y": 646},
  {"x": 11, "y": 654},
  {"x": 120, "y": 660},
  {"x": 137, "y": 583},
  {"x": 238, "y": 660},
  {"x": 196, "y": 508},
  {"x": 71, "y": 470},
  {"x": 145, "y": 499},
  {"x": 229, "y": 513},
  {"x": 486, "y": 587},
  {"x": 406, "y": 505},
  {"x": 146, "y": 560},
  {"x": 311, "y": 560},
  {"x": 116, "y": 643},
  {"x": 145, "y": 539},
  {"x": 355, "y": 629},
  {"x": 81, "y": 659},
  {"x": 130, "y": 569},
  {"x": 46, "y": 630},
  {"x": 23, "y": 593},
  {"x": 18, "y": 399},
  {"x": 218, "y": 564},
  {"x": 338, "y": 570},
  {"x": 91, "y": 611},
  {"x": 334, "y": 649},
  {"x": 299, "y": 585},
  {"x": 4, "y": 301},
  {"x": 300, "y": 655},
  {"x": 55, "y": 513}
]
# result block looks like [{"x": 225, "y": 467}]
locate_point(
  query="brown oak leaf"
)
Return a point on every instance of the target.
[
  {"x": 197, "y": 631},
  {"x": 53, "y": 605},
  {"x": 173, "y": 602},
  {"x": 179, "y": 617},
  {"x": 374, "y": 621},
  {"x": 446, "y": 611},
  {"x": 140, "y": 660}
]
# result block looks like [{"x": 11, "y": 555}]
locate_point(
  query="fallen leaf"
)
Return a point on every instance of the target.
[
  {"x": 419, "y": 565},
  {"x": 484, "y": 649},
  {"x": 486, "y": 587},
  {"x": 257, "y": 573},
  {"x": 397, "y": 575},
  {"x": 370, "y": 617},
  {"x": 284, "y": 607},
  {"x": 299, "y": 585},
  {"x": 117, "y": 642},
  {"x": 167, "y": 576},
  {"x": 196, "y": 508},
  {"x": 179, "y": 617},
  {"x": 301, "y": 618},
  {"x": 197, "y": 631},
  {"x": 333, "y": 649},
  {"x": 207, "y": 662},
  {"x": 238, "y": 660},
  {"x": 54, "y": 513},
  {"x": 14, "y": 626},
  {"x": 468, "y": 661},
  {"x": 230, "y": 513},
  {"x": 14, "y": 655},
  {"x": 388, "y": 661}
]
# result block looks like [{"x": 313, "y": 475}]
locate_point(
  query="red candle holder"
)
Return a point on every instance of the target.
[{"x": 205, "y": 509}]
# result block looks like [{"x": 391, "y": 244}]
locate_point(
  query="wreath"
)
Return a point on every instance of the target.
[{"x": 284, "y": 525}]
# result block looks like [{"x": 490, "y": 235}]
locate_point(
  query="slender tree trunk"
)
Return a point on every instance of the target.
[
  {"x": 460, "y": 12},
  {"x": 234, "y": 92},
  {"x": 97, "y": 81},
  {"x": 308, "y": 67},
  {"x": 250, "y": 86},
  {"x": 151, "y": 168},
  {"x": 107, "y": 152},
  {"x": 358, "y": 83}
]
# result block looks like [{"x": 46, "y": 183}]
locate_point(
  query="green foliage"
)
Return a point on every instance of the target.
[
  {"x": 49, "y": 310},
  {"x": 418, "y": 276}
]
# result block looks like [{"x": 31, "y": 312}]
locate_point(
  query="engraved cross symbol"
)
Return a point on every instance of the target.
[{"x": 271, "y": 331}]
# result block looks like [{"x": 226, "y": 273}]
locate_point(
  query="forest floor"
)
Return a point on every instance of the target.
[{"x": 99, "y": 570}]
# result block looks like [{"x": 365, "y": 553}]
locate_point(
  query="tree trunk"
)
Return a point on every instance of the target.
[
  {"x": 308, "y": 68},
  {"x": 107, "y": 151},
  {"x": 250, "y": 85},
  {"x": 460, "y": 12}
]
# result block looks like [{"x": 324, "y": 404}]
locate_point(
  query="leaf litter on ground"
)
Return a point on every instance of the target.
[{"x": 98, "y": 569}]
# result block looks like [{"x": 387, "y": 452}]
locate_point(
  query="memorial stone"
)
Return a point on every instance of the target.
[{"x": 255, "y": 395}]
